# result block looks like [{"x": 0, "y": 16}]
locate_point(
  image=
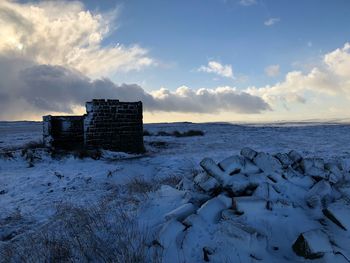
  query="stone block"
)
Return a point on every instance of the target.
[
  {"x": 267, "y": 162},
  {"x": 339, "y": 213},
  {"x": 312, "y": 244},
  {"x": 248, "y": 153}
]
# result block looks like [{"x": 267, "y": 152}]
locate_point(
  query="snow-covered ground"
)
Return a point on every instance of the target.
[{"x": 31, "y": 194}]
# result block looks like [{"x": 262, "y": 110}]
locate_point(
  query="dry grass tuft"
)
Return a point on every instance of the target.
[
  {"x": 142, "y": 186},
  {"x": 103, "y": 233}
]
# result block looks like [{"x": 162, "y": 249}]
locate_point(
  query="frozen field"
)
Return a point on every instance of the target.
[
  {"x": 32, "y": 197},
  {"x": 220, "y": 139}
]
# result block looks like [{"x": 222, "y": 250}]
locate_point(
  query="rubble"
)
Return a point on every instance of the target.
[{"x": 255, "y": 199}]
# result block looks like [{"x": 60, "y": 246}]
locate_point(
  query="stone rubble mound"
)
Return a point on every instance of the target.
[{"x": 261, "y": 207}]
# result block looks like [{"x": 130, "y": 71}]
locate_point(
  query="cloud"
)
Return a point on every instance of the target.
[
  {"x": 247, "y": 2},
  {"x": 66, "y": 34},
  {"x": 331, "y": 78},
  {"x": 271, "y": 21},
  {"x": 338, "y": 62},
  {"x": 217, "y": 68},
  {"x": 52, "y": 60},
  {"x": 28, "y": 89},
  {"x": 203, "y": 100},
  {"x": 272, "y": 70}
]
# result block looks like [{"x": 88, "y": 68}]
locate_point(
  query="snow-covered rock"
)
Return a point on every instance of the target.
[
  {"x": 229, "y": 214},
  {"x": 239, "y": 185},
  {"x": 335, "y": 173},
  {"x": 170, "y": 238},
  {"x": 314, "y": 167},
  {"x": 321, "y": 191},
  {"x": 192, "y": 220},
  {"x": 295, "y": 156},
  {"x": 170, "y": 231},
  {"x": 267, "y": 162},
  {"x": 181, "y": 212},
  {"x": 333, "y": 258},
  {"x": 267, "y": 192},
  {"x": 297, "y": 178},
  {"x": 206, "y": 182},
  {"x": 210, "y": 211},
  {"x": 249, "y": 204},
  {"x": 250, "y": 168},
  {"x": 339, "y": 213},
  {"x": 213, "y": 169},
  {"x": 256, "y": 199},
  {"x": 248, "y": 153},
  {"x": 233, "y": 164},
  {"x": 284, "y": 159},
  {"x": 238, "y": 164},
  {"x": 344, "y": 190},
  {"x": 312, "y": 244}
]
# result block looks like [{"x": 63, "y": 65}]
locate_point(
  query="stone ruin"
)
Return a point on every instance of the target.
[
  {"x": 108, "y": 124},
  {"x": 261, "y": 207}
]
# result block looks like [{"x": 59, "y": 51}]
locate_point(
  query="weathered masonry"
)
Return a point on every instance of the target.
[{"x": 107, "y": 124}]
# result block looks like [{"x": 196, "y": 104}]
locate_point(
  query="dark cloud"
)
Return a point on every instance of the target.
[{"x": 40, "y": 89}]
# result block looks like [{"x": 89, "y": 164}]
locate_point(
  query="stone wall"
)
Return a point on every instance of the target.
[
  {"x": 114, "y": 125},
  {"x": 65, "y": 132},
  {"x": 108, "y": 124}
]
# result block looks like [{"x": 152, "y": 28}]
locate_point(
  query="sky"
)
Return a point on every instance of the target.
[{"x": 212, "y": 60}]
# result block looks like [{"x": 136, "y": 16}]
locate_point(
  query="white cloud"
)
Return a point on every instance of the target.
[
  {"x": 247, "y": 2},
  {"x": 271, "y": 21},
  {"x": 338, "y": 61},
  {"x": 185, "y": 99},
  {"x": 65, "y": 33},
  {"x": 217, "y": 68},
  {"x": 272, "y": 70},
  {"x": 331, "y": 78}
]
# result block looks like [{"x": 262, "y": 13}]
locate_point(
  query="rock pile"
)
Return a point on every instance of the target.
[{"x": 261, "y": 207}]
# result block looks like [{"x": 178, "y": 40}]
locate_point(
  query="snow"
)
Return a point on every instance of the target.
[
  {"x": 267, "y": 163},
  {"x": 15, "y": 134},
  {"x": 340, "y": 211},
  {"x": 321, "y": 191},
  {"x": 318, "y": 241},
  {"x": 211, "y": 210},
  {"x": 189, "y": 221},
  {"x": 181, "y": 212},
  {"x": 249, "y": 204}
]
